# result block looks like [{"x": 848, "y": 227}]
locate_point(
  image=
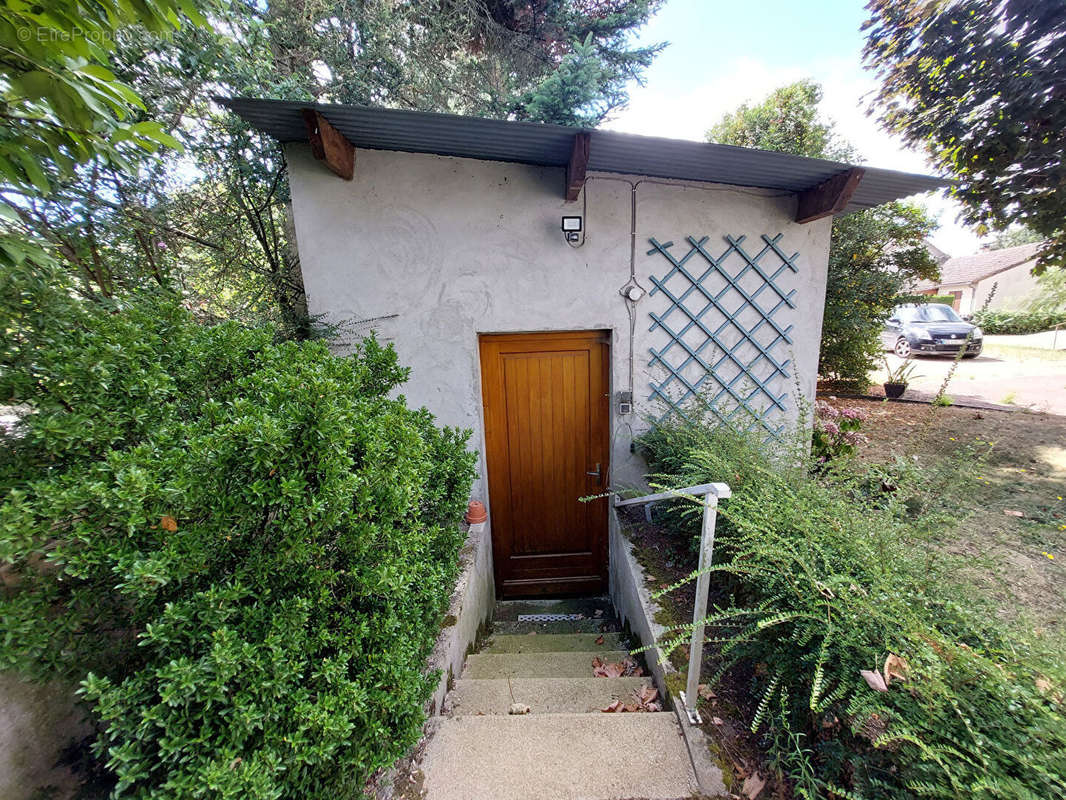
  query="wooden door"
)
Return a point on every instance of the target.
[{"x": 546, "y": 447}]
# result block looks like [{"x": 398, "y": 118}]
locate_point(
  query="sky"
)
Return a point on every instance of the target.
[{"x": 722, "y": 53}]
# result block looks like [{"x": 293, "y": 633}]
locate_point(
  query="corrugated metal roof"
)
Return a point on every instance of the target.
[{"x": 550, "y": 145}]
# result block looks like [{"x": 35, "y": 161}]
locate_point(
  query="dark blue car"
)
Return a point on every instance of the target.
[{"x": 930, "y": 329}]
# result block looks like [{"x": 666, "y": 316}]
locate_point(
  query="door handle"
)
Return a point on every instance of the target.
[{"x": 596, "y": 474}]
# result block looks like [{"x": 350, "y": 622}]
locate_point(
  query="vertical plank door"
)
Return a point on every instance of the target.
[{"x": 546, "y": 447}]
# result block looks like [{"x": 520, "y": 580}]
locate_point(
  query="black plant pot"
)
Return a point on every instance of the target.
[{"x": 894, "y": 391}]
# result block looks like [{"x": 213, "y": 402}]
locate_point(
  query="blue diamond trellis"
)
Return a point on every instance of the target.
[{"x": 733, "y": 378}]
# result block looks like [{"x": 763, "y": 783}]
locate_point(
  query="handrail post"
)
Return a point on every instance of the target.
[
  {"x": 703, "y": 585},
  {"x": 711, "y": 493}
]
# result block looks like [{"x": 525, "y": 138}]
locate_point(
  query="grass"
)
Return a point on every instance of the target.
[{"x": 1017, "y": 353}]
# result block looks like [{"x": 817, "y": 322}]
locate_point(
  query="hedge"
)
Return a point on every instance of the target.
[
  {"x": 242, "y": 548},
  {"x": 1018, "y": 322}
]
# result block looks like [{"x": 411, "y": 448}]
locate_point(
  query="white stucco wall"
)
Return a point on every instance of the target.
[
  {"x": 447, "y": 248},
  {"x": 1015, "y": 288}
]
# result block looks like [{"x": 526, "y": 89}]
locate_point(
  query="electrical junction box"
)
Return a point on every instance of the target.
[{"x": 625, "y": 402}]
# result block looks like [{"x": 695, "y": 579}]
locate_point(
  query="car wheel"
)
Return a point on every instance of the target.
[{"x": 902, "y": 348}]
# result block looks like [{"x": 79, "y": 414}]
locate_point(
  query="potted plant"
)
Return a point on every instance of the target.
[{"x": 896, "y": 380}]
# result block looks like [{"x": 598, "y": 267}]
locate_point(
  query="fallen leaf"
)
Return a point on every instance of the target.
[
  {"x": 874, "y": 680},
  {"x": 1043, "y": 684},
  {"x": 705, "y": 692},
  {"x": 753, "y": 786},
  {"x": 1011, "y": 513},
  {"x": 717, "y": 721},
  {"x": 168, "y": 524},
  {"x": 631, "y": 707},
  {"x": 599, "y": 639},
  {"x": 625, "y": 668},
  {"x": 519, "y": 708},
  {"x": 598, "y": 613},
  {"x": 613, "y": 708},
  {"x": 895, "y": 667}
]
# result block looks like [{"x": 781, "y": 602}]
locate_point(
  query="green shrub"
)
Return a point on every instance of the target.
[
  {"x": 1018, "y": 322},
  {"x": 820, "y": 578},
  {"x": 242, "y": 548}
]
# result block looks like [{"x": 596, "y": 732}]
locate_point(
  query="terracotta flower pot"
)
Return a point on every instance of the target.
[
  {"x": 475, "y": 512},
  {"x": 894, "y": 391}
]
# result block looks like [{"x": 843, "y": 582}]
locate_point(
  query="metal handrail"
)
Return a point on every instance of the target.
[{"x": 711, "y": 493}]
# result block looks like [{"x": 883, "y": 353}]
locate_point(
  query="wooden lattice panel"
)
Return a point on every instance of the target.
[{"x": 724, "y": 347}]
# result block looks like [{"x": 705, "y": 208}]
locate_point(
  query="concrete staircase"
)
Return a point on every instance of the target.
[{"x": 565, "y": 748}]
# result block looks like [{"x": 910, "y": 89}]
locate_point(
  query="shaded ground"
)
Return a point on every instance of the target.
[
  {"x": 1013, "y": 521},
  {"x": 1027, "y": 378}
]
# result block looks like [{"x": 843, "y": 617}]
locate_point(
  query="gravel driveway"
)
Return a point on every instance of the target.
[{"x": 998, "y": 376}]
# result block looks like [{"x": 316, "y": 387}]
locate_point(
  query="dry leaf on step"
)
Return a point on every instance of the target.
[
  {"x": 874, "y": 680},
  {"x": 896, "y": 667},
  {"x": 519, "y": 708},
  {"x": 753, "y": 786},
  {"x": 613, "y": 708},
  {"x": 615, "y": 669},
  {"x": 599, "y": 639}
]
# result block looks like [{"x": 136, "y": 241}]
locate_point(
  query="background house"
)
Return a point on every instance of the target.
[
  {"x": 970, "y": 278},
  {"x": 691, "y": 269}
]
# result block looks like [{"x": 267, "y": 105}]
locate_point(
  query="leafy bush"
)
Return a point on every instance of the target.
[
  {"x": 242, "y": 548},
  {"x": 876, "y": 675},
  {"x": 873, "y": 255},
  {"x": 1016, "y": 322}
]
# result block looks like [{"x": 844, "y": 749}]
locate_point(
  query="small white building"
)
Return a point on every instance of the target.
[
  {"x": 969, "y": 279},
  {"x": 554, "y": 289}
]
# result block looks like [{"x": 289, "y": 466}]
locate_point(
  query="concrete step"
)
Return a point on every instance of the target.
[
  {"x": 558, "y": 757},
  {"x": 602, "y": 625},
  {"x": 588, "y": 607},
  {"x": 542, "y": 695},
  {"x": 536, "y": 665},
  {"x": 553, "y": 643}
]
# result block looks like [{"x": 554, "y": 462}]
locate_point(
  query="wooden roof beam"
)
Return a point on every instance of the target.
[
  {"x": 579, "y": 163},
  {"x": 329, "y": 145},
  {"x": 830, "y": 196}
]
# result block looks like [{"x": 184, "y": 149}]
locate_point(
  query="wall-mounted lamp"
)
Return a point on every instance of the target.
[{"x": 571, "y": 228}]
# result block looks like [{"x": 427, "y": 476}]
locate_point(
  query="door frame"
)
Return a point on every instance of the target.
[{"x": 605, "y": 433}]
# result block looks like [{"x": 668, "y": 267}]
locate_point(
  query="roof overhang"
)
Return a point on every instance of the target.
[{"x": 829, "y": 185}]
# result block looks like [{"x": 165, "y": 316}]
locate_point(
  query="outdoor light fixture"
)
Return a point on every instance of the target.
[{"x": 571, "y": 228}]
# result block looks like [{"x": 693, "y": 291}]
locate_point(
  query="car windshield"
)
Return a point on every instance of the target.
[{"x": 933, "y": 312}]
